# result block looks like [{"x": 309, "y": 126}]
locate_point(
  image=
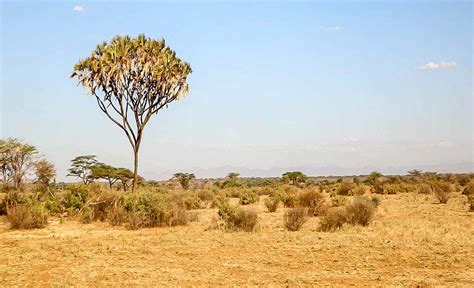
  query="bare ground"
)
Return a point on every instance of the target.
[{"x": 412, "y": 242}]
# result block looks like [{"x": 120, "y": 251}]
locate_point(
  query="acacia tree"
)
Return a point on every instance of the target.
[
  {"x": 81, "y": 167},
  {"x": 132, "y": 79},
  {"x": 294, "y": 177},
  {"x": 106, "y": 172},
  {"x": 184, "y": 179},
  {"x": 16, "y": 160}
]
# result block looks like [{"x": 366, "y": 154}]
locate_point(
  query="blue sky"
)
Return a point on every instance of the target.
[{"x": 274, "y": 84}]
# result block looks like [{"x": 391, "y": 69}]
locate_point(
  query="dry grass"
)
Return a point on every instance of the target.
[{"x": 412, "y": 241}]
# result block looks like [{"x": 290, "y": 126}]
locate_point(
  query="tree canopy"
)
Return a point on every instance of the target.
[
  {"x": 132, "y": 79},
  {"x": 294, "y": 177},
  {"x": 184, "y": 179},
  {"x": 16, "y": 160}
]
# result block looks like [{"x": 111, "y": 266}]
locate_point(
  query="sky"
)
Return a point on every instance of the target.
[{"x": 283, "y": 84}]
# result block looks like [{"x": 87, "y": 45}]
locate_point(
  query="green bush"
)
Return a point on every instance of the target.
[
  {"x": 294, "y": 218},
  {"x": 75, "y": 197},
  {"x": 248, "y": 197},
  {"x": 313, "y": 200},
  {"x": 193, "y": 202},
  {"x": 27, "y": 216},
  {"x": 288, "y": 195},
  {"x": 237, "y": 218},
  {"x": 53, "y": 205},
  {"x": 150, "y": 209}
]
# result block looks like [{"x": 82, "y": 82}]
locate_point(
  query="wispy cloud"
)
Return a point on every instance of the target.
[
  {"x": 332, "y": 28},
  {"x": 435, "y": 66},
  {"x": 78, "y": 8}
]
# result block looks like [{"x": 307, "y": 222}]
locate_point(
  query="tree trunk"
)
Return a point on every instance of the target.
[{"x": 135, "y": 169}]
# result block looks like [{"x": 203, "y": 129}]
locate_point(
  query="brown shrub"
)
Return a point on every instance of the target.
[
  {"x": 116, "y": 216},
  {"x": 294, "y": 218},
  {"x": 345, "y": 188},
  {"x": 314, "y": 201},
  {"x": 360, "y": 211},
  {"x": 442, "y": 191},
  {"x": 27, "y": 216},
  {"x": 271, "y": 204},
  {"x": 333, "y": 219}
]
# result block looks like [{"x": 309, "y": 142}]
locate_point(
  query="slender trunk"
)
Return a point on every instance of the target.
[{"x": 135, "y": 169}]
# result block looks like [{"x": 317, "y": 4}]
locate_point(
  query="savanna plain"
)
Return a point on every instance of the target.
[{"x": 364, "y": 231}]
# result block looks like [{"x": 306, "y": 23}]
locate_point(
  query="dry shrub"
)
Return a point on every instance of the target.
[
  {"x": 3, "y": 208},
  {"x": 287, "y": 194},
  {"x": 345, "y": 188},
  {"x": 469, "y": 189},
  {"x": 358, "y": 190},
  {"x": 192, "y": 216},
  {"x": 150, "y": 209},
  {"x": 206, "y": 195},
  {"x": 424, "y": 189},
  {"x": 338, "y": 200},
  {"x": 333, "y": 219},
  {"x": 442, "y": 191},
  {"x": 28, "y": 216},
  {"x": 294, "y": 218},
  {"x": 248, "y": 197},
  {"x": 237, "y": 218},
  {"x": 314, "y": 201},
  {"x": 116, "y": 216},
  {"x": 360, "y": 211},
  {"x": 271, "y": 204},
  {"x": 470, "y": 200}
]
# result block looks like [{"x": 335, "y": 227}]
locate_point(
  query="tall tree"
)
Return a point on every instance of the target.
[
  {"x": 45, "y": 172},
  {"x": 184, "y": 179},
  {"x": 132, "y": 79},
  {"x": 81, "y": 167},
  {"x": 16, "y": 160}
]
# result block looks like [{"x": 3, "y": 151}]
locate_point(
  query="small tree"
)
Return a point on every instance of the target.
[
  {"x": 81, "y": 167},
  {"x": 16, "y": 160},
  {"x": 106, "y": 172},
  {"x": 294, "y": 177},
  {"x": 132, "y": 79},
  {"x": 125, "y": 176},
  {"x": 45, "y": 172},
  {"x": 233, "y": 175},
  {"x": 374, "y": 177},
  {"x": 184, "y": 179}
]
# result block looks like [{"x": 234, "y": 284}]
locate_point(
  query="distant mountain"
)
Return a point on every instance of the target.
[{"x": 222, "y": 171}]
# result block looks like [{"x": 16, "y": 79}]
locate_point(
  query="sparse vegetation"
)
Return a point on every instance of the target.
[
  {"x": 27, "y": 216},
  {"x": 294, "y": 218}
]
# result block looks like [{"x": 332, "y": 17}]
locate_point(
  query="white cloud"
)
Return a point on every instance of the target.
[
  {"x": 78, "y": 8},
  {"x": 434, "y": 66},
  {"x": 332, "y": 28}
]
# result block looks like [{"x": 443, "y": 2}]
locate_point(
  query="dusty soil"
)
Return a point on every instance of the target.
[{"x": 412, "y": 241}]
